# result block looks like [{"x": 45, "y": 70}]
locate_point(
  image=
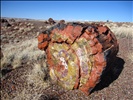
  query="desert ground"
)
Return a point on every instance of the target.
[{"x": 24, "y": 73}]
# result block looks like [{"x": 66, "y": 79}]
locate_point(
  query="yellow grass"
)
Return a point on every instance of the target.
[
  {"x": 36, "y": 78},
  {"x": 37, "y": 75},
  {"x": 27, "y": 52},
  {"x": 130, "y": 56},
  {"x": 121, "y": 31},
  {"x": 23, "y": 52}
]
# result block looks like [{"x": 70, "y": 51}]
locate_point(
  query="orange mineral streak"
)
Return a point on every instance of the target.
[
  {"x": 43, "y": 41},
  {"x": 73, "y": 32},
  {"x": 68, "y": 32},
  {"x": 99, "y": 57},
  {"x": 102, "y": 29},
  {"x": 49, "y": 58},
  {"x": 40, "y": 38},
  {"x": 99, "y": 47},
  {"x": 86, "y": 36},
  {"x": 77, "y": 31},
  {"x": 92, "y": 43},
  {"x": 94, "y": 50},
  {"x": 91, "y": 83},
  {"x": 43, "y": 45}
]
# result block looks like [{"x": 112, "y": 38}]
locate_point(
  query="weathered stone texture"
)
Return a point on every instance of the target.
[{"x": 77, "y": 53}]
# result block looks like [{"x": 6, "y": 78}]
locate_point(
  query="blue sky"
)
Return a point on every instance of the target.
[{"x": 117, "y": 11}]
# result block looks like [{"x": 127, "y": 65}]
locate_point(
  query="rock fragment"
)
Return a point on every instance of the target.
[{"x": 51, "y": 21}]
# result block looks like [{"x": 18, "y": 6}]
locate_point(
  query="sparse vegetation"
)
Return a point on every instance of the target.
[
  {"x": 21, "y": 53},
  {"x": 24, "y": 51},
  {"x": 121, "y": 31},
  {"x": 36, "y": 83},
  {"x": 130, "y": 56}
]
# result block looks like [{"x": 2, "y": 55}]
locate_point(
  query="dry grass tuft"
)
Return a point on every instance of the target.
[
  {"x": 36, "y": 83},
  {"x": 121, "y": 31},
  {"x": 21, "y": 53},
  {"x": 130, "y": 56},
  {"x": 25, "y": 95},
  {"x": 38, "y": 75}
]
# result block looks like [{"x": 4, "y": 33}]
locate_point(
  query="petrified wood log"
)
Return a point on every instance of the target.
[{"x": 77, "y": 53}]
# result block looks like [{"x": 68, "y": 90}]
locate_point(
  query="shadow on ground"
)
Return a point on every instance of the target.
[{"x": 111, "y": 75}]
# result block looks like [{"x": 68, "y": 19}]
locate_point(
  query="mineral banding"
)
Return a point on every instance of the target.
[{"x": 77, "y": 53}]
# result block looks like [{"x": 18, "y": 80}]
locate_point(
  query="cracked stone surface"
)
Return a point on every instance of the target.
[{"x": 78, "y": 54}]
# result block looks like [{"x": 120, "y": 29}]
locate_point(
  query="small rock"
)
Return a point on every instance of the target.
[
  {"x": 5, "y": 23},
  {"x": 45, "y": 22},
  {"x": 62, "y": 22},
  {"x": 16, "y": 40},
  {"x": 21, "y": 29},
  {"x": 28, "y": 24},
  {"x": 51, "y": 21},
  {"x": 20, "y": 24},
  {"x": 12, "y": 20},
  {"x": 32, "y": 27},
  {"x": 3, "y": 36},
  {"x": 40, "y": 27},
  {"x": 32, "y": 24},
  {"x": 16, "y": 27},
  {"x": 3, "y": 20},
  {"x": 25, "y": 23},
  {"x": 27, "y": 29}
]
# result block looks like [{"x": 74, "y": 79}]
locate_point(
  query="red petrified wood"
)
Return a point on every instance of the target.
[{"x": 77, "y": 53}]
